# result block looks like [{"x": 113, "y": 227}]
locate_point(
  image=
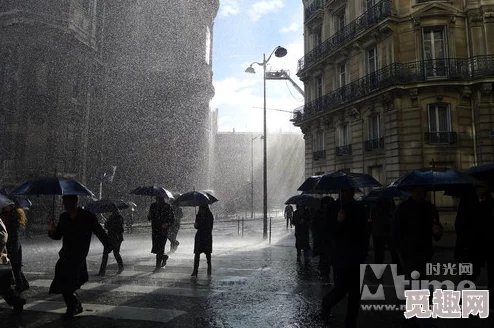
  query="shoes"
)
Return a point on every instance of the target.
[
  {"x": 298, "y": 258},
  {"x": 69, "y": 315},
  {"x": 194, "y": 274},
  {"x": 163, "y": 261},
  {"x": 209, "y": 271},
  {"x": 120, "y": 269},
  {"x": 18, "y": 308},
  {"x": 157, "y": 270}
]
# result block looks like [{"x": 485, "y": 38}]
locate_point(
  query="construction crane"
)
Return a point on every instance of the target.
[{"x": 283, "y": 75}]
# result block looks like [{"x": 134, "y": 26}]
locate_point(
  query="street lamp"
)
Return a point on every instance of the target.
[
  {"x": 252, "y": 175},
  {"x": 278, "y": 52}
]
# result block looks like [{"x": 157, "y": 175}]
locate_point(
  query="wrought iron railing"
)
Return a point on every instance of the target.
[
  {"x": 377, "y": 13},
  {"x": 462, "y": 69},
  {"x": 320, "y": 154},
  {"x": 440, "y": 138},
  {"x": 313, "y": 8},
  {"x": 344, "y": 150},
  {"x": 374, "y": 144}
]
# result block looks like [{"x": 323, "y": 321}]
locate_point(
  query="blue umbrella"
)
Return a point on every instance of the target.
[
  {"x": 4, "y": 201},
  {"x": 337, "y": 181},
  {"x": 375, "y": 194},
  {"x": 155, "y": 191},
  {"x": 21, "y": 202},
  {"x": 483, "y": 172},
  {"x": 102, "y": 206},
  {"x": 435, "y": 180},
  {"x": 194, "y": 198}
]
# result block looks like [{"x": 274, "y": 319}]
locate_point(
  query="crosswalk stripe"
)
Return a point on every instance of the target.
[
  {"x": 193, "y": 291},
  {"x": 107, "y": 311}
]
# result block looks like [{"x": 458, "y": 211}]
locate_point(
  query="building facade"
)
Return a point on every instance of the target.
[
  {"x": 396, "y": 85},
  {"x": 87, "y": 84}
]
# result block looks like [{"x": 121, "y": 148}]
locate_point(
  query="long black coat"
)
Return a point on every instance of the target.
[
  {"x": 159, "y": 214},
  {"x": 114, "y": 226},
  {"x": 71, "y": 269},
  {"x": 302, "y": 222},
  {"x": 203, "y": 241},
  {"x": 350, "y": 237}
]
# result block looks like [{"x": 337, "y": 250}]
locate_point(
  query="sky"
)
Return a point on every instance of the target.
[{"x": 243, "y": 31}]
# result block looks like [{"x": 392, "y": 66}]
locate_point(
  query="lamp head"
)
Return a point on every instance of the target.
[
  {"x": 250, "y": 69},
  {"x": 280, "y": 52}
]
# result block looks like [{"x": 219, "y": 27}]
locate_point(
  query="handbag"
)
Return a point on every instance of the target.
[{"x": 6, "y": 277}]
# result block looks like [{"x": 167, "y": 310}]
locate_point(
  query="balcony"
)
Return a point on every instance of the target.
[
  {"x": 312, "y": 10},
  {"x": 440, "y": 138},
  {"x": 344, "y": 150},
  {"x": 318, "y": 155},
  {"x": 362, "y": 23},
  {"x": 452, "y": 69},
  {"x": 374, "y": 144}
]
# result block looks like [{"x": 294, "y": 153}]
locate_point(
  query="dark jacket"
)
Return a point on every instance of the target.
[
  {"x": 203, "y": 241},
  {"x": 178, "y": 215},
  {"x": 382, "y": 217},
  {"x": 71, "y": 269},
  {"x": 114, "y": 226},
  {"x": 474, "y": 223},
  {"x": 349, "y": 237},
  {"x": 159, "y": 214},
  {"x": 302, "y": 222},
  {"x": 412, "y": 230}
]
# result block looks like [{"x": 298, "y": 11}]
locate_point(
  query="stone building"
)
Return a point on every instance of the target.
[
  {"x": 87, "y": 84},
  {"x": 393, "y": 86}
]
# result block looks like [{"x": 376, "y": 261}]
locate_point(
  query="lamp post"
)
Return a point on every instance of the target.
[
  {"x": 278, "y": 52},
  {"x": 252, "y": 175}
]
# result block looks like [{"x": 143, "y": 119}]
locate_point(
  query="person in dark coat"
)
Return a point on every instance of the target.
[
  {"x": 75, "y": 227},
  {"x": 415, "y": 224},
  {"x": 474, "y": 224},
  {"x": 382, "y": 217},
  {"x": 162, "y": 218},
  {"x": 173, "y": 231},
  {"x": 349, "y": 249},
  {"x": 15, "y": 220},
  {"x": 203, "y": 241},
  {"x": 323, "y": 231},
  {"x": 302, "y": 222},
  {"x": 288, "y": 215},
  {"x": 115, "y": 227}
]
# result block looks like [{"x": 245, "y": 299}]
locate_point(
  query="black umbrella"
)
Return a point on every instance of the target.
[
  {"x": 21, "y": 202},
  {"x": 375, "y": 194},
  {"x": 194, "y": 198},
  {"x": 337, "y": 181},
  {"x": 210, "y": 196},
  {"x": 4, "y": 201},
  {"x": 102, "y": 206},
  {"x": 52, "y": 186},
  {"x": 121, "y": 205},
  {"x": 154, "y": 191},
  {"x": 483, "y": 172},
  {"x": 305, "y": 200}
]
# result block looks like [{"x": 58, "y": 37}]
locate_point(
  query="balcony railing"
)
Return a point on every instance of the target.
[
  {"x": 362, "y": 23},
  {"x": 344, "y": 150},
  {"x": 374, "y": 144},
  {"x": 313, "y": 8},
  {"x": 434, "y": 138},
  {"x": 320, "y": 154},
  {"x": 462, "y": 69}
]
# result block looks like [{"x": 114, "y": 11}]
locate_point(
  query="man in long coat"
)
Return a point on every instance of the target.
[
  {"x": 162, "y": 218},
  {"x": 75, "y": 227}
]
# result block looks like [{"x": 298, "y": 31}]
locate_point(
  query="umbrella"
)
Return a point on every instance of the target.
[
  {"x": 155, "y": 191},
  {"x": 334, "y": 182},
  {"x": 194, "y": 198},
  {"x": 121, "y": 205},
  {"x": 392, "y": 192},
  {"x": 21, "y": 202},
  {"x": 310, "y": 183},
  {"x": 483, "y": 172},
  {"x": 102, "y": 206},
  {"x": 4, "y": 201},
  {"x": 210, "y": 196},
  {"x": 52, "y": 186},
  {"x": 305, "y": 200},
  {"x": 436, "y": 180}
]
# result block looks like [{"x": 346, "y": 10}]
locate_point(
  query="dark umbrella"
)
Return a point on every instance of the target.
[
  {"x": 194, "y": 198},
  {"x": 154, "y": 191},
  {"x": 305, "y": 200},
  {"x": 4, "y": 201},
  {"x": 393, "y": 192},
  {"x": 337, "y": 181},
  {"x": 483, "y": 172},
  {"x": 210, "y": 196},
  {"x": 52, "y": 186},
  {"x": 102, "y": 206},
  {"x": 21, "y": 202},
  {"x": 121, "y": 205}
]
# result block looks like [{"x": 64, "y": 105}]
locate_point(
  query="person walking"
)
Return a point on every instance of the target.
[
  {"x": 382, "y": 217},
  {"x": 15, "y": 220},
  {"x": 173, "y": 232},
  {"x": 302, "y": 221},
  {"x": 323, "y": 232},
  {"x": 162, "y": 218},
  {"x": 349, "y": 249},
  {"x": 203, "y": 241},
  {"x": 289, "y": 215},
  {"x": 114, "y": 226},
  {"x": 75, "y": 227}
]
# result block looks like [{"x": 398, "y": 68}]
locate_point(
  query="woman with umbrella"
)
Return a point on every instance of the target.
[
  {"x": 162, "y": 218},
  {"x": 203, "y": 241}
]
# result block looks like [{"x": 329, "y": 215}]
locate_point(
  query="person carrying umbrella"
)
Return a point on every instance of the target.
[
  {"x": 203, "y": 241},
  {"x": 302, "y": 223},
  {"x": 114, "y": 226},
  {"x": 162, "y": 218},
  {"x": 75, "y": 227}
]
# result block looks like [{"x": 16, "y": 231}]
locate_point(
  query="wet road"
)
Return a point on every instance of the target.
[{"x": 253, "y": 284}]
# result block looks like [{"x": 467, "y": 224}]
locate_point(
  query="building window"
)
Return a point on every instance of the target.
[
  {"x": 440, "y": 130},
  {"x": 434, "y": 51},
  {"x": 344, "y": 135},
  {"x": 367, "y": 4},
  {"x": 318, "y": 87},
  {"x": 340, "y": 20},
  {"x": 342, "y": 76},
  {"x": 371, "y": 60},
  {"x": 319, "y": 141},
  {"x": 375, "y": 127},
  {"x": 317, "y": 37}
]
